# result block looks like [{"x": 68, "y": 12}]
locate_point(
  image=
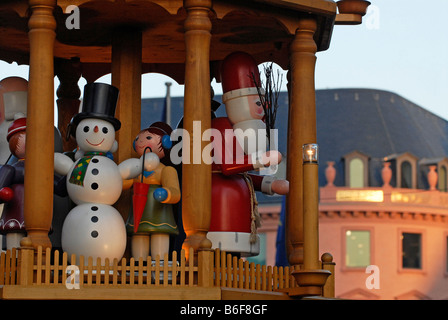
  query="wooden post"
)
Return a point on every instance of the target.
[
  {"x": 310, "y": 216},
  {"x": 38, "y": 206},
  {"x": 303, "y": 199},
  {"x": 196, "y": 175},
  {"x": 127, "y": 77},
  {"x": 26, "y": 262},
  {"x": 328, "y": 264},
  {"x": 205, "y": 268},
  {"x": 301, "y": 130},
  {"x": 68, "y": 92}
]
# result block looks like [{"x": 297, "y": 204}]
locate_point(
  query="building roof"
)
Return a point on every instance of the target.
[
  {"x": 373, "y": 122},
  {"x": 378, "y": 124}
]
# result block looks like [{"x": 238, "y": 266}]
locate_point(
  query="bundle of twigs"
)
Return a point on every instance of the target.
[{"x": 269, "y": 93}]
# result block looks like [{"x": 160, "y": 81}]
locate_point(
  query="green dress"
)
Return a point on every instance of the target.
[{"x": 157, "y": 217}]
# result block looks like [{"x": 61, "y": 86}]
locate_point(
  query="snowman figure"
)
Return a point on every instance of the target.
[{"x": 94, "y": 228}]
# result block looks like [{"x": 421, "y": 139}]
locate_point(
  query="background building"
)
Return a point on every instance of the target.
[{"x": 383, "y": 200}]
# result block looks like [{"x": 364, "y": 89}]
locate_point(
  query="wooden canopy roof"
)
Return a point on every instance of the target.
[{"x": 263, "y": 28}]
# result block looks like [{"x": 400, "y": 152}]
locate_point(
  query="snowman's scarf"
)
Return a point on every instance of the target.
[{"x": 79, "y": 172}]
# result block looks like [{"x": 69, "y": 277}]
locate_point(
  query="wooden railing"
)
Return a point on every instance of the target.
[
  {"x": 214, "y": 269},
  {"x": 9, "y": 267},
  {"x": 58, "y": 270},
  {"x": 231, "y": 272}
]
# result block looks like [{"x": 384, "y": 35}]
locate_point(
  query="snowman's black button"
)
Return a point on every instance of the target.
[
  {"x": 95, "y": 160},
  {"x": 94, "y": 234},
  {"x": 95, "y": 172},
  {"x": 94, "y": 208},
  {"x": 94, "y": 219},
  {"x": 94, "y": 186}
]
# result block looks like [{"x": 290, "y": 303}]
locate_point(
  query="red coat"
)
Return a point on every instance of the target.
[{"x": 231, "y": 194}]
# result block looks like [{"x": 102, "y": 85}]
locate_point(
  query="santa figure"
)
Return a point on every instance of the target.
[{"x": 239, "y": 146}]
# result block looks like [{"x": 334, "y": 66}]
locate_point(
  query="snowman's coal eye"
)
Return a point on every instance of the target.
[
  {"x": 105, "y": 130},
  {"x": 86, "y": 129}
]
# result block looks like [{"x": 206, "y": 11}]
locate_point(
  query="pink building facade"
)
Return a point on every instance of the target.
[
  {"x": 383, "y": 196},
  {"x": 388, "y": 243}
]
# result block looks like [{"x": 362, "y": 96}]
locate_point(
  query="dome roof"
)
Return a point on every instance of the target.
[{"x": 378, "y": 124}]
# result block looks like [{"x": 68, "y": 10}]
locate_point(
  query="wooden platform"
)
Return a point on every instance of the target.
[
  {"x": 45, "y": 275},
  {"x": 60, "y": 292}
]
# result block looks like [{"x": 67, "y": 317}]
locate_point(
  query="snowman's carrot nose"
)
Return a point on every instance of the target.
[{"x": 95, "y": 129}]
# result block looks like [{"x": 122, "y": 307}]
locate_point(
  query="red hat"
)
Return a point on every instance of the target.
[
  {"x": 16, "y": 126},
  {"x": 237, "y": 73}
]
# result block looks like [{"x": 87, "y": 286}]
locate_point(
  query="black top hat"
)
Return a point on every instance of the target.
[{"x": 100, "y": 102}]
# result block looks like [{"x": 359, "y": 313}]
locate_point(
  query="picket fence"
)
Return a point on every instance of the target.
[
  {"x": 9, "y": 267},
  {"x": 222, "y": 269}
]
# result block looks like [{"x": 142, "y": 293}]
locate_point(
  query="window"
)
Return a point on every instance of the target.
[
  {"x": 357, "y": 248},
  {"x": 411, "y": 244},
  {"x": 404, "y": 170},
  {"x": 442, "y": 179},
  {"x": 406, "y": 174},
  {"x": 356, "y": 173},
  {"x": 356, "y": 169}
]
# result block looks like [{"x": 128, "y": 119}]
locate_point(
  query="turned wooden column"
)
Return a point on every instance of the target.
[
  {"x": 39, "y": 161},
  {"x": 127, "y": 77},
  {"x": 68, "y": 92},
  {"x": 196, "y": 175},
  {"x": 301, "y": 130}
]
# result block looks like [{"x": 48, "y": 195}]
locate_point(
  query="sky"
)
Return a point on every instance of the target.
[{"x": 402, "y": 47}]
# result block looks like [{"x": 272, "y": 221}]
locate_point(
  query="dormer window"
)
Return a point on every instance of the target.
[
  {"x": 439, "y": 178},
  {"x": 442, "y": 185},
  {"x": 404, "y": 167},
  {"x": 442, "y": 170},
  {"x": 356, "y": 169},
  {"x": 406, "y": 174}
]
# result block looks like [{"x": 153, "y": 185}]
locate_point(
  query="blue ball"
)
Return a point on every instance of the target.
[{"x": 160, "y": 194}]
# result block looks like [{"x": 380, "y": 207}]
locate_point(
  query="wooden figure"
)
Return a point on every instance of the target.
[
  {"x": 94, "y": 182},
  {"x": 13, "y": 102},
  {"x": 12, "y": 178},
  {"x": 157, "y": 220},
  {"x": 234, "y": 206}
]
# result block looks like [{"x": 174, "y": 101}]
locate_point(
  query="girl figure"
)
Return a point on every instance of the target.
[{"x": 157, "y": 222}]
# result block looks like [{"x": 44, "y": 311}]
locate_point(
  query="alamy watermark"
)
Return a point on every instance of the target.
[
  {"x": 73, "y": 21},
  {"x": 72, "y": 279},
  {"x": 373, "y": 280},
  {"x": 253, "y": 142},
  {"x": 372, "y": 18}
]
